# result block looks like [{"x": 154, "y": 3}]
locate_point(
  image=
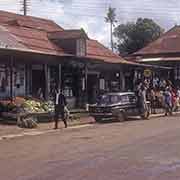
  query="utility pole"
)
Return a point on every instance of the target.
[{"x": 24, "y": 5}]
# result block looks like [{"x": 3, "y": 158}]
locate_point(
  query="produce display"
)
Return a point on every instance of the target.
[
  {"x": 33, "y": 106},
  {"x": 26, "y": 105}
]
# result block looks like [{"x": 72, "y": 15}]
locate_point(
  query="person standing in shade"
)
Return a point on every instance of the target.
[
  {"x": 60, "y": 103},
  {"x": 143, "y": 105},
  {"x": 168, "y": 101}
]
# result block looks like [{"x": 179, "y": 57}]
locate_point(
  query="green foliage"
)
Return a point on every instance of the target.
[
  {"x": 133, "y": 36},
  {"x": 111, "y": 15}
]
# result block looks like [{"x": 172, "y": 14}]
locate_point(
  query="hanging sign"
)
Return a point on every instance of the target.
[{"x": 147, "y": 72}]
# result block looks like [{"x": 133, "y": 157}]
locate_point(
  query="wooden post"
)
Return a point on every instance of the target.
[
  {"x": 46, "y": 82},
  {"x": 119, "y": 78},
  {"x": 121, "y": 74},
  {"x": 86, "y": 85},
  {"x": 11, "y": 78},
  {"x": 27, "y": 80},
  {"x": 60, "y": 77}
]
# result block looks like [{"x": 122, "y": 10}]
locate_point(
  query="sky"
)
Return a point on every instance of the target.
[{"x": 89, "y": 14}]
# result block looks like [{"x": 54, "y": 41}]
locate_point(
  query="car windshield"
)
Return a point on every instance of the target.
[{"x": 109, "y": 99}]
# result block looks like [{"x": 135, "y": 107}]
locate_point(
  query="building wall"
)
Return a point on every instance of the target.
[
  {"x": 19, "y": 84},
  {"x": 19, "y": 77},
  {"x": 4, "y": 81}
]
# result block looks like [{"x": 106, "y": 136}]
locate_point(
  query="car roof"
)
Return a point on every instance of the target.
[{"x": 120, "y": 93}]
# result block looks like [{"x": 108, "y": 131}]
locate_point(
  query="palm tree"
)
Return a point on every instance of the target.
[{"x": 111, "y": 18}]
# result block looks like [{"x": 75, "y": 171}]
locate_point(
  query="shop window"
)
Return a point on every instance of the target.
[
  {"x": 114, "y": 86},
  {"x": 19, "y": 79},
  {"x": 80, "y": 47},
  {"x": 68, "y": 84},
  {"x": 4, "y": 78},
  {"x": 19, "y": 76},
  {"x": 68, "y": 92},
  {"x": 177, "y": 73}
]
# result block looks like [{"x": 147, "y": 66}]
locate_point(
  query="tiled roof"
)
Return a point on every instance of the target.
[
  {"x": 68, "y": 34},
  {"x": 32, "y": 34},
  {"x": 96, "y": 50},
  {"x": 29, "y": 21},
  {"x": 34, "y": 40},
  {"x": 29, "y": 39},
  {"x": 28, "y": 33},
  {"x": 169, "y": 42}
]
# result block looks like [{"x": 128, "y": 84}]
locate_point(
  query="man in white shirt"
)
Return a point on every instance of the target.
[{"x": 60, "y": 103}]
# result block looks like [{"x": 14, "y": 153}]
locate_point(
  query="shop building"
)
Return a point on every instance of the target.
[
  {"x": 37, "y": 56},
  {"x": 165, "y": 51}
]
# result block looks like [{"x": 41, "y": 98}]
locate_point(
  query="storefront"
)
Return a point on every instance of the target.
[{"x": 18, "y": 80}]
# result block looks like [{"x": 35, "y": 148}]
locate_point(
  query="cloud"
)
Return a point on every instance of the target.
[
  {"x": 89, "y": 14},
  {"x": 10, "y": 5}
]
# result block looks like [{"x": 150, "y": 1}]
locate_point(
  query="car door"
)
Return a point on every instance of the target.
[
  {"x": 130, "y": 104},
  {"x": 133, "y": 110},
  {"x": 125, "y": 103}
]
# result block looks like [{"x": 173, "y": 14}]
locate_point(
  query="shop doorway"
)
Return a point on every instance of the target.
[
  {"x": 92, "y": 88},
  {"x": 38, "y": 80}
]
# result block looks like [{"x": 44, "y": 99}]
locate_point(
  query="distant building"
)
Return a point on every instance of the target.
[{"x": 165, "y": 51}]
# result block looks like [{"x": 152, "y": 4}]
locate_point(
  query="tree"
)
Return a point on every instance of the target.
[
  {"x": 111, "y": 18},
  {"x": 133, "y": 36}
]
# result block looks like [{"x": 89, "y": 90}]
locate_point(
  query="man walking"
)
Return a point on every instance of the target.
[{"x": 60, "y": 103}]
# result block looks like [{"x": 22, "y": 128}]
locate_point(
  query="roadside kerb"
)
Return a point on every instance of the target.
[{"x": 35, "y": 133}]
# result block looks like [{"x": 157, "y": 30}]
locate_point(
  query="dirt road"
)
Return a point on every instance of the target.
[{"x": 138, "y": 150}]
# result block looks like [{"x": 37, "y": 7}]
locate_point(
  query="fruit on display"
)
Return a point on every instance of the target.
[
  {"x": 28, "y": 105},
  {"x": 33, "y": 106}
]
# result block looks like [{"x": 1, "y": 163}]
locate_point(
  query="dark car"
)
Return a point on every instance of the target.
[{"x": 118, "y": 106}]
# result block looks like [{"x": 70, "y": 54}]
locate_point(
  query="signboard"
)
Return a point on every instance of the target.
[{"x": 147, "y": 72}]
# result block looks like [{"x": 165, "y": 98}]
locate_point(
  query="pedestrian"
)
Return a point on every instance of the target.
[
  {"x": 178, "y": 91},
  {"x": 168, "y": 101},
  {"x": 138, "y": 94},
  {"x": 143, "y": 104},
  {"x": 60, "y": 104},
  {"x": 178, "y": 97},
  {"x": 40, "y": 94},
  {"x": 153, "y": 100},
  {"x": 174, "y": 100}
]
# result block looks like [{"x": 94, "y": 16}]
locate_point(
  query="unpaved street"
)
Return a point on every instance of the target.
[{"x": 139, "y": 150}]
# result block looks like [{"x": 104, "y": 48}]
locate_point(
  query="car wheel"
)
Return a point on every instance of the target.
[{"x": 121, "y": 116}]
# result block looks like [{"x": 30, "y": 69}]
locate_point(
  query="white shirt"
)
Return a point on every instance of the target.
[
  {"x": 178, "y": 93},
  {"x": 57, "y": 98}
]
